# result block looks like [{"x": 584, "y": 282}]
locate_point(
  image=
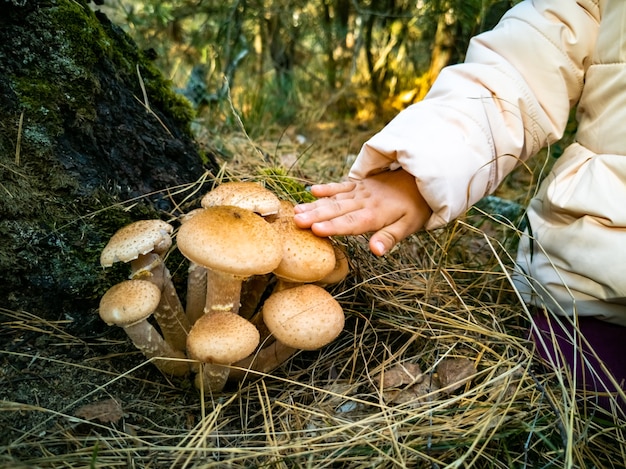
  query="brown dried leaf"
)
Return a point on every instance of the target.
[
  {"x": 424, "y": 391},
  {"x": 105, "y": 411},
  {"x": 399, "y": 376},
  {"x": 454, "y": 373}
]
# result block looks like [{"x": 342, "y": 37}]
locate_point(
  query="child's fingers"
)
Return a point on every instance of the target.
[
  {"x": 387, "y": 237},
  {"x": 332, "y": 188},
  {"x": 384, "y": 240},
  {"x": 349, "y": 223},
  {"x": 324, "y": 210}
]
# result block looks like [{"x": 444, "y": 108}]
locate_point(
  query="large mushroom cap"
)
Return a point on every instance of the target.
[
  {"x": 306, "y": 257},
  {"x": 230, "y": 239},
  {"x": 129, "y": 302},
  {"x": 248, "y": 195},
  {"x": 135, "y": 239},
  {"x": 305, "y": 317},
  {"x": 222, "y": 338}
]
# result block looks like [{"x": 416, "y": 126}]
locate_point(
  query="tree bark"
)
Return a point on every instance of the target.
[{"x": 91, "y": 138}]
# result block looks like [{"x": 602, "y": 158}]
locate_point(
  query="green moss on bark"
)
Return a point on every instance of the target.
[{"x": 76, "y": 141}]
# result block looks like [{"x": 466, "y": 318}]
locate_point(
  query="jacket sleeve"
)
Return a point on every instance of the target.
[{"x": 510, "y": 98}]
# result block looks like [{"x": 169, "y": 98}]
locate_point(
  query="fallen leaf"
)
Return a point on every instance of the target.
[
  {"x": 400, "y": 375},
  {"x": 454, "y": 373},
  {"x": 426, "y": 390},
  {"x": 105, "y": 411},
  {"x": 405, "y": 383}
]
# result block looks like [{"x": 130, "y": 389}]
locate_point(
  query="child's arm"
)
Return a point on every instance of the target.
[{"x": 388, "y": 204}]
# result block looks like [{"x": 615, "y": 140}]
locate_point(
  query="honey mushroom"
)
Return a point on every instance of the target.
[
  {"x": 143, "y": 244},
  {"x": 306, "y": 257},
  {"x": 304, "y": 317},
  {"x": 232, "y": 244},
  {"x": 256, "y": 198},
  {"x": 244, "y": 194},
  {"x": 129, "y": 304},
  {"x": 217, "y": 340}
]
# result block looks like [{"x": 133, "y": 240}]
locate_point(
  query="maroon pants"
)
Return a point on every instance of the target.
[{"x": 603, "y": 343}]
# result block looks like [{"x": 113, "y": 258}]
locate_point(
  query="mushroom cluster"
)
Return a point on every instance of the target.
[{"x": 255, "y": 290}]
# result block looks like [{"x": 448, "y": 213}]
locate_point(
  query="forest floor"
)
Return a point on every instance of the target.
[{"x": 76, "y": 394}]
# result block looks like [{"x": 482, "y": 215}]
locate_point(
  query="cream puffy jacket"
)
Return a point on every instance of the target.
[{"x": 510, "y": 98}]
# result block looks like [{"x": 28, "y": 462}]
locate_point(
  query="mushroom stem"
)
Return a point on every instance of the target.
[
  {"x": 223, "y": 292},
  {"x": 265, "y": 360},
  {"x": 148, "y": 340},
  {"x": 196, "y": 292},
  {"x": 252, "y": 291},
  {"x": 129, "y": 304},
  {"x": 211, "y": 377},
  {"x": 169, "y": 314},
  {"x": 283, "y": 284}
]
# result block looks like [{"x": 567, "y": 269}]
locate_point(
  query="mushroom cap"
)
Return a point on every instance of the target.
[
  {"x": 230, "y": 239},
  {"x": 189, "y": 215},
  {"x": 341, "y": 269},
  {"x": 244, "y": 194},
  {"x": 305, "y": 317},
  {"x": 306, "y": 256},
  {"x": 222, "y": 338},
  {"x": 129, "y": 302},
  {"x": 135, "y": 239}
]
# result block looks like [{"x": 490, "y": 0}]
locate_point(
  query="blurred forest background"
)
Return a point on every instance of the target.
[{"x": 280, "y": 62}]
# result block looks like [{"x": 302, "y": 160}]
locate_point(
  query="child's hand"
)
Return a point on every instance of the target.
[{"x": 387, "y": 203}]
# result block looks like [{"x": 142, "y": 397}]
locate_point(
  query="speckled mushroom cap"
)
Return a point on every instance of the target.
[
  {"x": 305, "y": 317},
  {"x": 341, "y": 269},
  {"x": 245, "y": 194},
  {"x": 222, "y": 338},
  {"x": 306, "y": 257},
  {"x": 129, "y": 302},
  {"x": 135, "y": 239},
  {"x": 230, "y": 239}
]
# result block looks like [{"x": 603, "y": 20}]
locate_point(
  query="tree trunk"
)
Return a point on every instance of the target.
[{"x": 87, "y": 124}]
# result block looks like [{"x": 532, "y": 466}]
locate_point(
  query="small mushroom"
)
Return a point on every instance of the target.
[
  {"x": 244, "y": 194},
  {"x": 137, "y": 239},
  {"x": 143, "y": 243},
  {"x": 232, "y": 244},
  {"x": 129, "y": 304},
  {"x": 305, "y": 317},
  {"x": 217, "y": 340}
]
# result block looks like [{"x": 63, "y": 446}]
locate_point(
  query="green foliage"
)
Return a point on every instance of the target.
[
  {"x": 274, "y": 56},
  {"x": 280, "y": 182}
]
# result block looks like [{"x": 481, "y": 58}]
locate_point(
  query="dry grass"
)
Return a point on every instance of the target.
[{"x": 438, "y": 295}]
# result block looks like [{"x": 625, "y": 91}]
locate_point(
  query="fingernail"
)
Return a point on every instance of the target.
[{"x": 380, "y": 247}]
